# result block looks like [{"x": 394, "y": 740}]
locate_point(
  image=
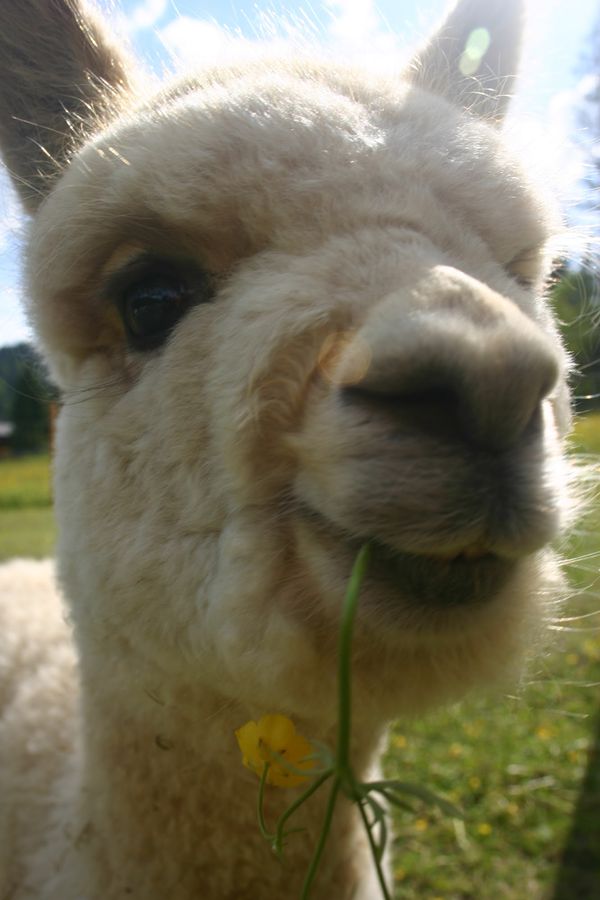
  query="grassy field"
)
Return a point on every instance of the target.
[
  {"x": 25, "y": 483},
  {"x": 524, "y": 767},
  {"x": 26, "y": 519}
]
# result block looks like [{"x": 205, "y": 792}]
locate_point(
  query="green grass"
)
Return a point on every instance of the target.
[
  {"x": 586, "y": 435},
  {"x": 26, "y": 518},
  {"x": 25, "y": 482},
  {"x": 524, "y": 768}
]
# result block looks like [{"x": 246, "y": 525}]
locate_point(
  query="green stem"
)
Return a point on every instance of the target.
[
  {"x": 261, "y": 796},
  {"x": 345, "y": 659},
  {"x": 279, "y": 836},
  {"x": 314, "y": 864},
  {"x": 375, "y": 854}
]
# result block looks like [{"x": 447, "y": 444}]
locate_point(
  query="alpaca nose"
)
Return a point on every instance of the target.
[{"x": 470, "y": 363}]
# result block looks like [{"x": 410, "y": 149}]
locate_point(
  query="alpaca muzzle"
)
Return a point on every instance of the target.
[
  {"x": 461, "y": 362},
  {"x": 435, "y": 435}
]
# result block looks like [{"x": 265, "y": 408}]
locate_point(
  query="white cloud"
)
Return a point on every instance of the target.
[
  {"x": 13, "y": 327},
  {"x": 564, "y": 111},
  {"x": 353, "y": 20},
  {"x": 201, "y": 42},
  {"x": 145, "y": 15},
  {"x": 11, "y": 216},
  {"x": 356, "y": 31},
  {"x": 13, "y": 324},
  {"x": 193, "y": 42},
  {"x": 352, "y": 30},
  {"x": 557, "y": 152},
  {"x": 574, "y": 147}
]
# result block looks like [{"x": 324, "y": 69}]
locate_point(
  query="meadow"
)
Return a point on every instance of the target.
[
  {"x": 522, "y": 764},
  {"x": 26, "y": 519}
]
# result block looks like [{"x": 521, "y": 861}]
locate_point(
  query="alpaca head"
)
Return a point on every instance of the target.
[{"x": 293, "y": 308}]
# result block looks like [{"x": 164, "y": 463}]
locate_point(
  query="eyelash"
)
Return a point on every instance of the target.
[
  {"x": 152, "y": 295},
  {"x": 530, "y": 257}
]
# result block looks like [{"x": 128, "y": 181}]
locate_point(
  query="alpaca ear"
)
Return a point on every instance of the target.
[
  {"x": 472, "y": 60},
  {"x": 58, "y": 73}
]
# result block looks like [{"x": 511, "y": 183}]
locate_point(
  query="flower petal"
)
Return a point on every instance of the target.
[
  {"x": 248, "y": 742},
  {"x": 297, "y": 751},
  {"x": 276, "y": 732},
  {"x": 273, "y": 739}
]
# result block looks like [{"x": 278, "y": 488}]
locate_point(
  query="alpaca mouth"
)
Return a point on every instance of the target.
[
  {"x": 470, "y": 576},
  {"x": 438, "y": 581}
]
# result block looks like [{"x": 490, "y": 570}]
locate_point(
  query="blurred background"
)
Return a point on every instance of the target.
[{"x": 524, "y": 767}]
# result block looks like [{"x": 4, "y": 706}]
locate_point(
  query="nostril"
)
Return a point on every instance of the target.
[
  {"x": 478, "y": 380},
  {"x": 442, "y": 413},
  {"x": 434, "y": 411}
]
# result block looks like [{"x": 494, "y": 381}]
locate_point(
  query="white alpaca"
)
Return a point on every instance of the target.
[{"x": 291, "y": 307}]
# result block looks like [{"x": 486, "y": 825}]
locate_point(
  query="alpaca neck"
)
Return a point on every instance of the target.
[{"x": 167, "y": 808}]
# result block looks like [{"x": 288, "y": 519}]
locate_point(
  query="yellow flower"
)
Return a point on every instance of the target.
[{"x": 273, "y": 739}]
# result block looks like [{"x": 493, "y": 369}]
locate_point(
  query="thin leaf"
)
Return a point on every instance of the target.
[
  {"x": 380, "y": 820},
  {"x": 392, "y": 788}
]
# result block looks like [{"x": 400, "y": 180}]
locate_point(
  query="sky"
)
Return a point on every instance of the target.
[{"x": 379, "y": 35}]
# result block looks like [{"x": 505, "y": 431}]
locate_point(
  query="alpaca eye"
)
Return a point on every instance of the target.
[
  {"x": 153, "y": 298},
  {"x": 152, "y": 307},
  {"x": 525, "y": 268}
]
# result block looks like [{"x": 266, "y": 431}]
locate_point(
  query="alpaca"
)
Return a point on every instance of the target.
[{"x": 291, "y": 307}]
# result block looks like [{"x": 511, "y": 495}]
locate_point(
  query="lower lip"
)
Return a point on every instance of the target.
[{"x": 442, "y": 583}]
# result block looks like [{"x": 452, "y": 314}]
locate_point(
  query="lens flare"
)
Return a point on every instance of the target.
[
  {"x": 476, "y": 47},
  {"x": 344, "y": 358}
]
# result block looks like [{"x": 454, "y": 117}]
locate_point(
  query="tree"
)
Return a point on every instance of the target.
[
  {"x": 30, "y": 413},
  {"x": 576, "y": 300}
]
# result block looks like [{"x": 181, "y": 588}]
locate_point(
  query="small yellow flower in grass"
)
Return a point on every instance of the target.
[
  {"x": 421, "y": 825},
  {"x": 484, "y": 829},
  {"x": 274, "y": 740},
  {"x": 473, "y": 729},
  {"x": 591, "y": 648}
]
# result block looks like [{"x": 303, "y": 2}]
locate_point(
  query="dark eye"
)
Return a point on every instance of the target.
[
  {"x": 152, "y": 307},
  {"x": 153, "y": 297},
  {"x": 525, "y": 268}
]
